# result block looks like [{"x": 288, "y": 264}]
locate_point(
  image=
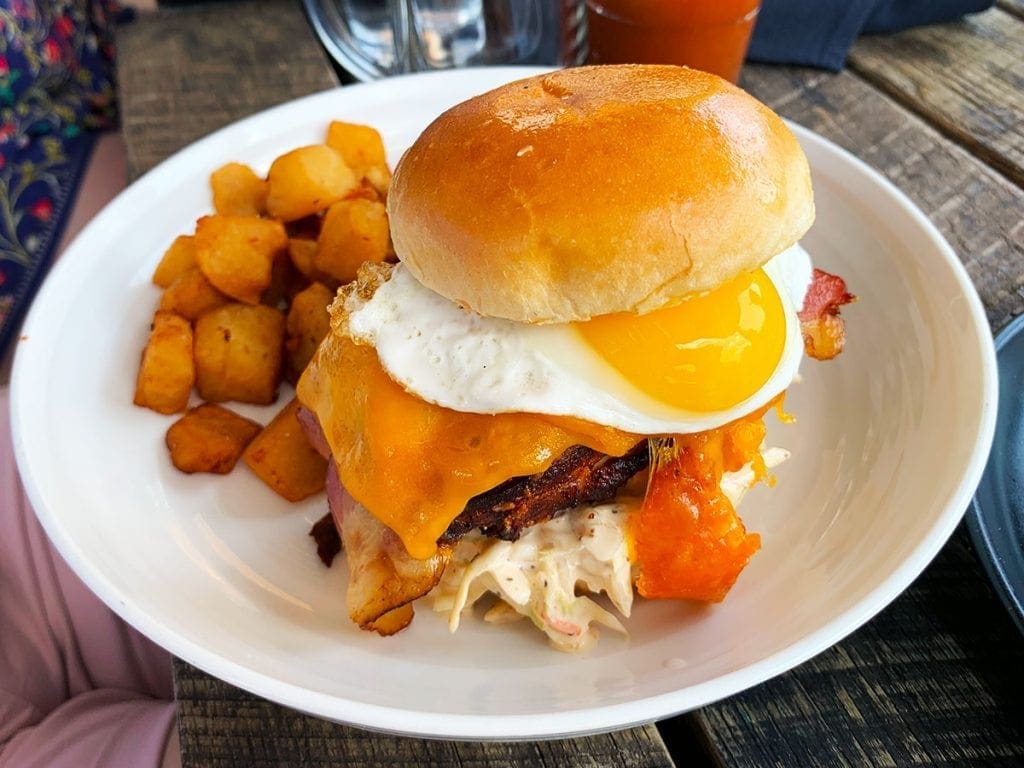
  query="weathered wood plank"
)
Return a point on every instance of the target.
[
  {"x": 922, "y": 683},
  {"x": 1016, "y": 7},
  {"x": 965, "y": 78},
  {"x": 187, "y": 71},
  {"x": 933, "y": 680},
  {"x": 222, "y": 727}
]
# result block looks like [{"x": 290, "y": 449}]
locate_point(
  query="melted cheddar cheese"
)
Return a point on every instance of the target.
[{"x": 413, "y": 464}]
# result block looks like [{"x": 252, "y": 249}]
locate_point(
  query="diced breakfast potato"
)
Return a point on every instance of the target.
[
  {"x": 379, "y": 177},
  {"x": 308, "y": 227},
  {"x": 238, "y": 353},
  {"x": 302, "y": 251},
  {"x": 285, "y": 281},
  {"x": 191, "y": 295},
  {"x": 307, "y": 324},
  {"x": 282, "y": 457},
  {"x": 364, "y": 191},
  {"x": 246, "y": 301},
  {"x": 176, "y": 261},
  {"x": 167, "y": 371},
  {"x": 209, "y": 438},
  {"x": 238, "y": 191},
  {"x": 307, "y": 180},
  {"x": 354, "y": 231},
  {"x": 360, "y": 145},
  {"x": 236, "y": 253}
]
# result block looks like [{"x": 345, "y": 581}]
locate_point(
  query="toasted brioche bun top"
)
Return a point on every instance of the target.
[{"x": 596, "y": 190}]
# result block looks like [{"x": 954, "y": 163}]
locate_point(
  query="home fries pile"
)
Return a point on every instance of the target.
[{"x": 245, "y": 298}]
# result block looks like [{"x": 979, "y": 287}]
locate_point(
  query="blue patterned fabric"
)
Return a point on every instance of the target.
[
  {"x": 819, "y": 33},
  {"x": 56, "y": 91}
]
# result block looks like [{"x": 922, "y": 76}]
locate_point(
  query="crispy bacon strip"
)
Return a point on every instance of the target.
[
  {"x": 823, "y": 330},
  {"x": 325, "y": 530},
  {"x": 383, "y": 579},
  {"x": 311, "y": 426},
  {"x": 578, "y": 476}
]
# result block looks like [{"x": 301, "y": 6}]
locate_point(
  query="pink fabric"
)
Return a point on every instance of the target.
[{"x": 78, "y": 687}]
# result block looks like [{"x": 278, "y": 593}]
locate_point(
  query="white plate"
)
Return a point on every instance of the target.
[{"x": 890, "y": 443}]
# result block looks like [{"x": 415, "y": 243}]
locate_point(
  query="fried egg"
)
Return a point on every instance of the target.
[{"x": 694, "y": 366}]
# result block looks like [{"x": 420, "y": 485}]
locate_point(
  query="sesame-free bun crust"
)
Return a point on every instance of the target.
[{"x": 596, "y": 190}]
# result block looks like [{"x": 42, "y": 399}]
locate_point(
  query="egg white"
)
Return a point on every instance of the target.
[{"x": 453, "y": 357}]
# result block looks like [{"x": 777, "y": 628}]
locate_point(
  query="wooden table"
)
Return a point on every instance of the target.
[{"x": 938, "y": 677}]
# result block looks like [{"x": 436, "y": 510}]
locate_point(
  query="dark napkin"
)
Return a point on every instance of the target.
[{"x": 819, "y": 33}]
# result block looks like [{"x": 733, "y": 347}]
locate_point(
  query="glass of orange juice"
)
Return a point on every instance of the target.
[{"x": 704, "y": 34}]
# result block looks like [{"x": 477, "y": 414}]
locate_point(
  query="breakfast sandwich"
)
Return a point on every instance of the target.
[{"x": 560, "y": 390}]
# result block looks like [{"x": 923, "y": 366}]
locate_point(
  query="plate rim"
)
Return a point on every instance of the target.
[
  {"x": 573, "y": 722},
  {"x": 980, "y": 517}
]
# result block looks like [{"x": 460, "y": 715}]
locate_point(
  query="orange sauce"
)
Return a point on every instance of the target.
[
  {"x": 711, "y": 35},
  {"x": 687, "y": 540}
]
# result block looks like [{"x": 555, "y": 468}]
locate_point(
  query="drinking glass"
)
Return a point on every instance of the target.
[
  {"x": 711, "y": 35},
  {"x": 377, "y": 38}
]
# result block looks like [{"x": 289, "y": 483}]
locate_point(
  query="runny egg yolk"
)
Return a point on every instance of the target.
[{"x": 707, "y": 353}]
